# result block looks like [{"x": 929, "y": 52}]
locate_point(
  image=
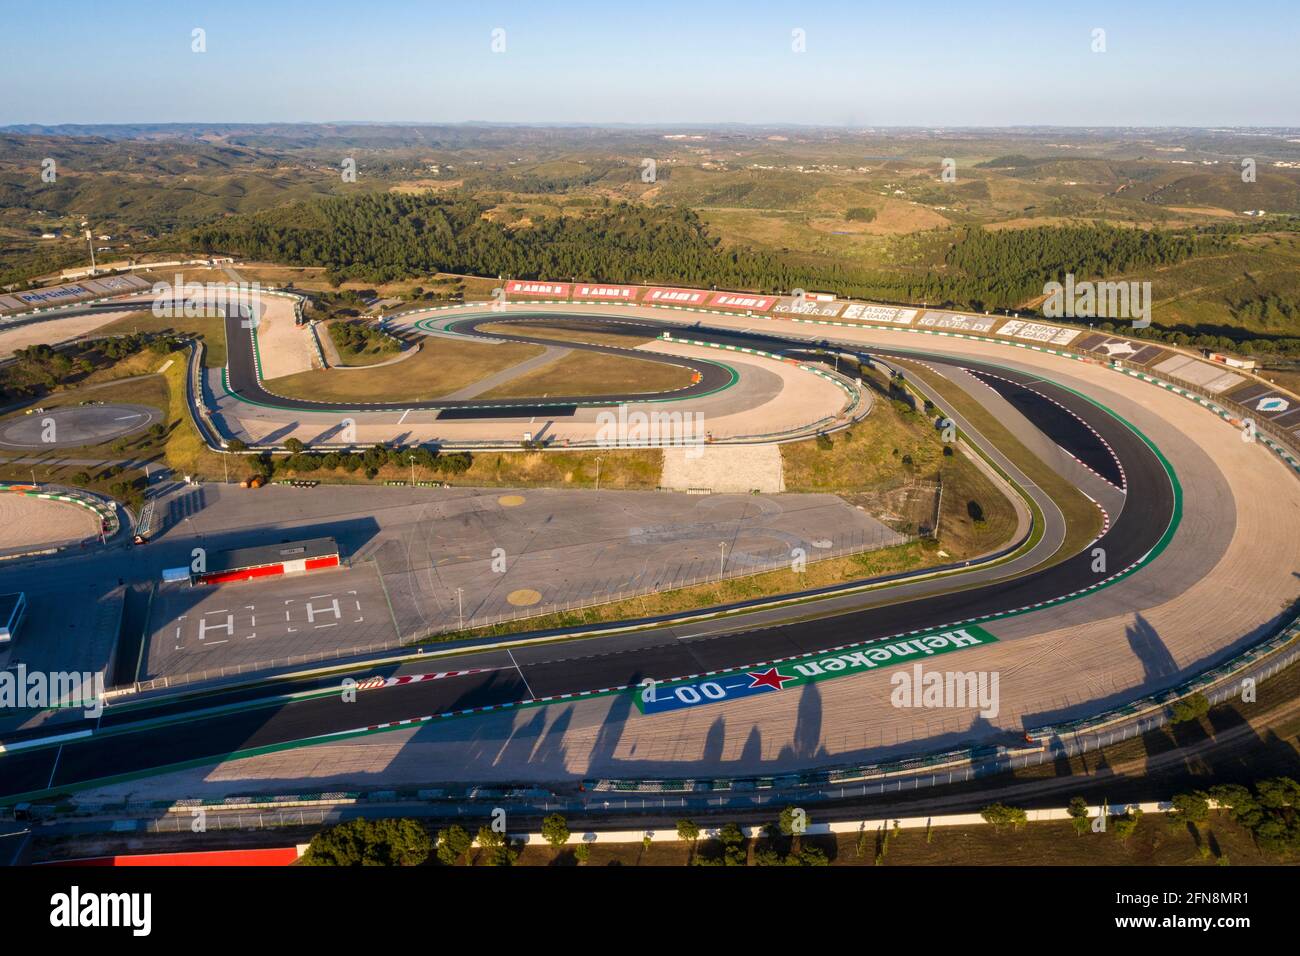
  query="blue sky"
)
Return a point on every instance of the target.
[{"x": 940, "y": 63}]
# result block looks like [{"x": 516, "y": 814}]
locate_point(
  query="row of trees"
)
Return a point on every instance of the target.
[
  {"x": 1245, "y": 345},
  {"x": 387, "y": 236},
  {"x": 1269, "y": 810},
  {"x": 380, "y": 238},
  {"x": 424, "y": 457},
  {"x": 383, "y": 237},
  {"x": 354, "y": 338},
  {"x": 1002, "y": 267},
  {"x": 37, "y": 369}
]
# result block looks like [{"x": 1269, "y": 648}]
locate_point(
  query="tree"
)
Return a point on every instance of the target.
[
  {"x": 582, "y": 853},
  {"x": 488, "y": 838},
  {"x": 504, "y": 854},
  {"x": 689, "y": 831},
  {"x": 808, "y": 855},
  {"x": 555, "y": 830},
  {"x": 733, "y": 845},
  {"x": 1190, "y": 808},
  {"x": 1126, "y": 824},
  {"x": 793, "y": 821},
  {"x": 1189, "y": 709},
  {"x": 1078, "y": 811},
  {"x": 999, "y": 814},
  {"x": 293, "y": 445},
  {"x": 453, "y": 844},
  {"x": 388, "y": 842}
]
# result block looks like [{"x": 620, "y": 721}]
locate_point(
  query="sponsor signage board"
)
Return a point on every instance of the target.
[
  {"x": 1037, "y": 332},
  {"x": 879, "y": 313},
  {"x": 605, "y": 293},
  {"x": 60, "y": 293},
  {"x": 554, "y": 290},
  {"x": 961, "y": 323},
  {"x": 820, "y": 308},
  {"x": 768, "y": 679},
  {"x": 662, "y": 296},
  {"x": 742, "y": 300}
]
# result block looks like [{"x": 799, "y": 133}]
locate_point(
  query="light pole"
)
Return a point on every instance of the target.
[
  {"x": 460, "y": 606},
  {"x": 91, "y": 245},
  {"x": 598, "y": 473},
  {"x": 722, "y": 559},
  {"x": 412, "y": 460}
]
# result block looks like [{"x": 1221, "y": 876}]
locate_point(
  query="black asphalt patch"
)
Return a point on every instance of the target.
[
  {"x": 1059, "y": 425},
  {"x": 75, "y": 426},
  {"x": 514, "y": 411}
]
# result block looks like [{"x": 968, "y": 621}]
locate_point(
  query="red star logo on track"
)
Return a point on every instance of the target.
[{"x": 769, "y": 678}]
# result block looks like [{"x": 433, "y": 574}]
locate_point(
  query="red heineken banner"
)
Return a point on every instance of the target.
[
  {"x": 525, "y": 287},
  {"x": 743, "y": 300},
  {"x": 659, "y": 296},
  {"x": 605, "y": 293}
]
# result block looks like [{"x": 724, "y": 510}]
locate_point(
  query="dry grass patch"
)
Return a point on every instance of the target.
[
  {"x": 594, "y": 373},
  {"x": 442, "y": 366},
  {"x": 632, "y": 468}
]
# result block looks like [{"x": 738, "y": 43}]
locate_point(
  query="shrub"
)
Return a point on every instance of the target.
[{"x": 370, "y": 843}]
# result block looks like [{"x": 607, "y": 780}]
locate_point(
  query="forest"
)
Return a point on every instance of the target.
[{"x": 383, "y": 237}]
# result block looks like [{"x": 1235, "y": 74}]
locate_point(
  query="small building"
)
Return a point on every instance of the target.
[
  {"x": 13, "y": 608},
  {"x": 269, "y": 560}
]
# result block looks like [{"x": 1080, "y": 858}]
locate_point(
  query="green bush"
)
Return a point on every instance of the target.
[{"x": 388, "y": 842}]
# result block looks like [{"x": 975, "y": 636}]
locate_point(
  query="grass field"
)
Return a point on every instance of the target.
[
  {"x": 627, "y": 468},
  {"x": 1082, "y": 517},
  {"x": 594, "y": 373},
  {"x": 873, "y": 463},
  {"x": 211, "y": 329},
  {"x": 568, "y": 332},
  {"x": 622, "y": 469},
  {"x": 441, "y": 367},
  {"x": 185, "y": 451}
]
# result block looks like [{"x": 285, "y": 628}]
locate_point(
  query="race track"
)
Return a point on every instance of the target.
[{"x": 1148, "y": 457}]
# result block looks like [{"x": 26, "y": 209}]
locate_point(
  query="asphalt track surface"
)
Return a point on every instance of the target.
[
  {"x": 77, "y": 425},
  {"x": 1071, "y": 434},
  {"x": 244, "y": 382},
  {"x": 583, "y": 666}
]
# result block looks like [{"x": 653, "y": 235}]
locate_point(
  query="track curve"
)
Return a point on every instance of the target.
[
  {"x": 1135, "y": 535},
  {"x": 244, "y": 381}
]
